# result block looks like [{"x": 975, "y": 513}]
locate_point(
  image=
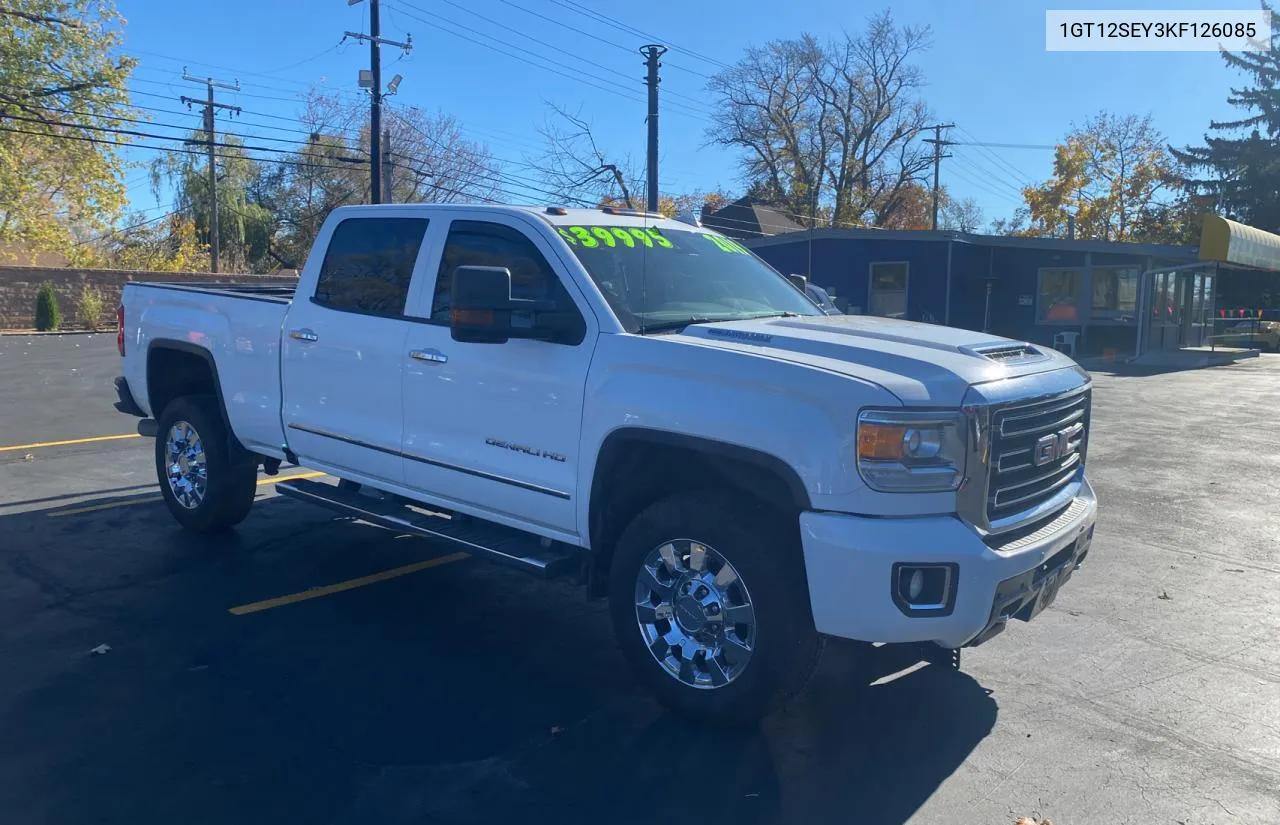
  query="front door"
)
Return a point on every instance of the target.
[
  {"x": 496, "y": 426},
  {"x": 343, "y": 350}
]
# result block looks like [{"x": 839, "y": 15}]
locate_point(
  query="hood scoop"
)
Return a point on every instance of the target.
[{"x": 1017, "y": 353}]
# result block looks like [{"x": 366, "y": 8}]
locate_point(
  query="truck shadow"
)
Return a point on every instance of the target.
[
  {"x": 847, "y": 751},
  {"x": 463, "y": 694}
]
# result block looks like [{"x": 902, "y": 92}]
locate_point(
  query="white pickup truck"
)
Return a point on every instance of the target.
[{"x": 643, "y": 404}]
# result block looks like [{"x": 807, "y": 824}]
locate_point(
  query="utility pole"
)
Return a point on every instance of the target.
[
  {"x": 210, "y": 141},
  {"x": 652, "y": 52},
  {"x": 938, "y": 143},
  {"x": 375, "y": 93},
  {"x": 388, "y": 167}
]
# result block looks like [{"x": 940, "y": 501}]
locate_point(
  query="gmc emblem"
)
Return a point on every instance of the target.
[{"x": 1056, "y": 446}]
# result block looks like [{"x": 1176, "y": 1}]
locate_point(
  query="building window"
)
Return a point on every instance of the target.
[
  {"x": 1059, "y": 296},
  {"x": 888, "y": 290},
  {"x": 1115, "y": 292}
]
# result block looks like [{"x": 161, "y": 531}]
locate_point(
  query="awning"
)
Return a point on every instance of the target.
[{"x": 1234, "y": 243}]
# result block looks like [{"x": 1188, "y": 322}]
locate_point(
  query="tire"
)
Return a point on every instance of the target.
[
  {"x": 739, "y": 671},
  {"x": 228, "y": 488}
]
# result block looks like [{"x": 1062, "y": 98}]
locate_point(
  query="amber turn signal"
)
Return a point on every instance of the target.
[{"x": 880, "y": 442}]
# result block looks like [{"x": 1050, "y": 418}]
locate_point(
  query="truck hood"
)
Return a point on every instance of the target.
[{"x": 922, "y": 364}]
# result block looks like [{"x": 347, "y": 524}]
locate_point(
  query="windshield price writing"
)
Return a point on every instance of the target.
[{"x": 592, "y": 237}]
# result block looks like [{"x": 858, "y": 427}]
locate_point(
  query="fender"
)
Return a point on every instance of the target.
[
  {"x": 706, "y": 446},
  {"x": 233, "y": 443}
]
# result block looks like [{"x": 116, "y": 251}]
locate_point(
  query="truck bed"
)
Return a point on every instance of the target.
[
  {"x": 236, "y": 327},
  {"x": 279, "y": 293}
]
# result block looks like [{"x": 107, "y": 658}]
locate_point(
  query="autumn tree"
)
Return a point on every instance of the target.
[
  {"x": 61, "y": 84},
  {"x": 244, "y": 227},
  {"x": 829, "y": 129},
  {"x": 167, "y": 244},
  {"x": 1114, "y": 174},
  {"x": 1239, "y": 167}
]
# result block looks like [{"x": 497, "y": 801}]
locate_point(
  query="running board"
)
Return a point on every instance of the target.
[{"x": 483, "y": 539}]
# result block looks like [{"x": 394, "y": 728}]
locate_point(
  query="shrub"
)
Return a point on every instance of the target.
[
  {"x": 48, "y": 315},
  {"x": 89, "y": 307}
]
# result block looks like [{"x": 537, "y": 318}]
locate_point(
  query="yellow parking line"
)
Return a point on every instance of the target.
[
  {"x": 298, "y": 477},
  {"x": 91, "y": 508},
  {"x": 40, "y": 444},
  {"x": 350, "y": 584},
  {"x": 149, "y": 499}
]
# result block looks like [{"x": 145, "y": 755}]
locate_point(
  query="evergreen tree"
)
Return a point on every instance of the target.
[{"x": 1240, "y": 165}]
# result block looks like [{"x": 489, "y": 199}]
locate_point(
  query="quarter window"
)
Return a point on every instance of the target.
[{"x": 369, "y": 263}]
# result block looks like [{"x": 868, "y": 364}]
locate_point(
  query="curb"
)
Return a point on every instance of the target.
[{"x": 53, "y": 332}]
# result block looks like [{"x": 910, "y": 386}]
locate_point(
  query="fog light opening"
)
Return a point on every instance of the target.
[{"x": 924, "y": 589}]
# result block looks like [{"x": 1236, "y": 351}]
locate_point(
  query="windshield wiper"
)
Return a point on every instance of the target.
[{"x": 667, "y": 326}]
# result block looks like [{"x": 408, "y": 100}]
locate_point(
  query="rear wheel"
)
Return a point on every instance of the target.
[
  {"x": 201, "y": 486},
  {"x": 710, "y": 607}
]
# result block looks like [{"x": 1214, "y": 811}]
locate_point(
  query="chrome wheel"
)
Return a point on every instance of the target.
[
  {"x": 186, "y": 465},
  {"x": 695, "y": 614}
]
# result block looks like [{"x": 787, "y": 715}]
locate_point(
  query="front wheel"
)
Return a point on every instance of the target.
[
  {"x": 711, "y": 608},
  {"x": 203, "y": 489}
]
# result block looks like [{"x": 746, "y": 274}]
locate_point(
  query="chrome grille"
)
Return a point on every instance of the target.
[{"x": 1016, "y": 482}]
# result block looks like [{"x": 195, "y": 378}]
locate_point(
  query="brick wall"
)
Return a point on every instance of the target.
[{"x": 18, "y": 286}]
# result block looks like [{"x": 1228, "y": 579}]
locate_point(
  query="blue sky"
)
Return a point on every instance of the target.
[{"x": 988, "y": 72}]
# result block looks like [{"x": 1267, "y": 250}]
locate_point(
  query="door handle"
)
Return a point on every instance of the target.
[
  {"x": 435, "y": 356},
  {"x": 303, "y": 335}
]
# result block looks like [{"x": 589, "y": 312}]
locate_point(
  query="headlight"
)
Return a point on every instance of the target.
[{"x": 904, "y": 451}]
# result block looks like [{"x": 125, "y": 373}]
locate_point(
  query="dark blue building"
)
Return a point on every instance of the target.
[{"x": 1025, "y": 288}]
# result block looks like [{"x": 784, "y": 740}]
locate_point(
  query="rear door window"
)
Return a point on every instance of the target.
[{"x": 369, "y": 264}]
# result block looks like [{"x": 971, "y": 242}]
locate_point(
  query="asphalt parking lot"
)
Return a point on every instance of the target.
[{"x": 416, "y": 686}]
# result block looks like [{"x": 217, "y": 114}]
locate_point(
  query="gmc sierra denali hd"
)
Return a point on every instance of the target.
[{"x": 645, "y": 405}]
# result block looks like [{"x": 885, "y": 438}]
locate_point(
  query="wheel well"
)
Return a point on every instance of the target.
[
  {"x": 172, "y": 373},
  {"x": 634, "y": 470}
]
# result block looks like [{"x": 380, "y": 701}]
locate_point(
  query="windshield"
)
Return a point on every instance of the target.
[{"x": 664, "y": 279}]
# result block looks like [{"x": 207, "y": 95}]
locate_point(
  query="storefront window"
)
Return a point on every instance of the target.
[
  {"x": 1059, "y": 296},
  {"x": 889, "y": 290},
  {"x": 1115, "y": 292}
]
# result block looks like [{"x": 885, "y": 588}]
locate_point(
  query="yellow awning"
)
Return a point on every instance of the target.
[{"x": 1234, "y": 243}]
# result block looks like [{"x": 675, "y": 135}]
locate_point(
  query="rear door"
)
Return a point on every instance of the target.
[
  {"x": 497, "y": 426},
  {"x": 343, "y": 349}
]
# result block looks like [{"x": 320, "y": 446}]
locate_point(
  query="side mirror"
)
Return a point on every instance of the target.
[
  {"x": 799, "y": 281},
  {"x": 482, "y": 311}
]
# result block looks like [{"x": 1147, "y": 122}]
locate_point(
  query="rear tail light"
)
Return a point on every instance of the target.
[{"x": 120, "y": 328}]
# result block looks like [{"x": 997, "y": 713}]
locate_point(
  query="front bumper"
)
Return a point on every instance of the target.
[{"x": 849, "y": 562}]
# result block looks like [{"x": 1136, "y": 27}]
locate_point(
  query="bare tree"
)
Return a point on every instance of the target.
[
  {"x": 830, "y": 129},
  {"x": 576, "y": 169},
  {"x": 962, "y": 215},
  {"x": 435, "y": 163}
]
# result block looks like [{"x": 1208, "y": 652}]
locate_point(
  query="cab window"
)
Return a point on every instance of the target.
[{"x": 368, "y": 265}]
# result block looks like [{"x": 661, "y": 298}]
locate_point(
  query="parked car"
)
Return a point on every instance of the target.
[
  {"x": 644, "y": 405},
  {"x": 1264, "y": 335}
]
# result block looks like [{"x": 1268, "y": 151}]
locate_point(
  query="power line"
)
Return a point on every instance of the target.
[
  {"x": 580, "y": 77},
  {"x": 1017, "y": 173},
  {"x": 172, "y": 149},
  {"x": 990, "y": 176},
  {"x": 597, "y": 37},
  {"x": 551, "y": 46},
  {"x": 609, "y": 21}
]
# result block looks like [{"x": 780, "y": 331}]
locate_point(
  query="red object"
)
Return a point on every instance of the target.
[{"x": 120, "y": 329}]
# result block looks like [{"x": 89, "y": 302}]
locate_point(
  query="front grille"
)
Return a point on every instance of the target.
[{"x": 1021, "y": 436}]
